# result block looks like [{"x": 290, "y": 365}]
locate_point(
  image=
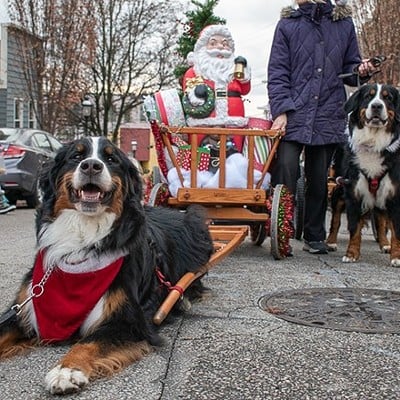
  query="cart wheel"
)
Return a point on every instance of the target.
[
  {"x": 258, "y": 233},
  {"x": 299, "y": 208},
  {"x": 158, "y": 195},
  {"x": 281, "y": 229}
]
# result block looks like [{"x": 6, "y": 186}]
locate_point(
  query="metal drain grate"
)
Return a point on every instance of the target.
[{"x": 344, "y": 309}]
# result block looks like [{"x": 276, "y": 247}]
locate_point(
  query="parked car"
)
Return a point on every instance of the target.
[{"x": 26, "y": 153}]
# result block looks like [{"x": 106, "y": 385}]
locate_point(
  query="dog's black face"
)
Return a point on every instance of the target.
[
  {"x": 374, "y": 106},
  {"x": 92, "y": 176}
]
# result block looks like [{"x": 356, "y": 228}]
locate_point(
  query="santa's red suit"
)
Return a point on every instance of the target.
[
  {"x": 214, "y": 66},
  {"x": 229, "y": 107}
]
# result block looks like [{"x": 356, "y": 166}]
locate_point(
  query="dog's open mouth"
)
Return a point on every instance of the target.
[
  {"x": 90, "y": 197},
  {"x": 376, "y": 121},
  {"x": 90, "y": 194}
]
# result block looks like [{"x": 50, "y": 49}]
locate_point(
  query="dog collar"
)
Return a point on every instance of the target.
[{"x": 68, "y": 298}]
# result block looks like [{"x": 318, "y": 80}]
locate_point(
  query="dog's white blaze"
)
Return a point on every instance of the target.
[
  {"x": 103, "y": 180},
  {"x": 95, "y": 149},
  {"x": 377, "y": 100}
]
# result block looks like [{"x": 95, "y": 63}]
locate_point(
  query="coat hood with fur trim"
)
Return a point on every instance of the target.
[{"x": 337, "y": 13}]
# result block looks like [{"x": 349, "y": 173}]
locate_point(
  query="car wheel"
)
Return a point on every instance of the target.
[
  {"x": 12, "y": 198},
  {"x": 33, "y": 200}
]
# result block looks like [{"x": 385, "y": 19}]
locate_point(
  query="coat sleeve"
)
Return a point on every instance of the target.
[
  {"x": 352, "y": 58},
  {"x": 279, "y": 92}
]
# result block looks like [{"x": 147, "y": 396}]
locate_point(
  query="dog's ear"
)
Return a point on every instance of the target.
[
  {"x": 133, "y": 180},
  {"x": 353, "y": 102},
  {"x": 352, "y": 107},
  {"x": 48, "y": 187},
  {"x": 135, "y": 186}
]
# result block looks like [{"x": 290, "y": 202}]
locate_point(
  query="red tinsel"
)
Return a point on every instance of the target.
[
  {"x": 285, "y": 220},
  {"x": 159, "y": 146}
]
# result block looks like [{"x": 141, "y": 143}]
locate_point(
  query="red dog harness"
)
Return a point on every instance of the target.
[
  {"x": 373, "y": 185},
  {"x": 68, "y": 298}
]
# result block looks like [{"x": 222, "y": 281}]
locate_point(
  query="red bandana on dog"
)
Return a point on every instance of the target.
[{"x": 68, "y": 298}]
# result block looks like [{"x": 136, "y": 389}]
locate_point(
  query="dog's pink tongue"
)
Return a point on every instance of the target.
[{"x": 90, "y": 196}]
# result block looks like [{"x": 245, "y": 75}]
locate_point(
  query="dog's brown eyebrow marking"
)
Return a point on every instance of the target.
[
  {"x": 372, "y": 92},
  {"x": 80, "y": 147},
  {"x": 385, "y": 93},
  {"x": 108, "y": 150}
]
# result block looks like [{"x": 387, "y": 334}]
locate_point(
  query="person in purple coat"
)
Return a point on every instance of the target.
[{"x": 313, "y": 45}]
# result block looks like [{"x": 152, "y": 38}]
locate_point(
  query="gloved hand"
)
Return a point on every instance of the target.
[
  {"x": 240, "y": 60},
  {"x": 201, "y": 91}
]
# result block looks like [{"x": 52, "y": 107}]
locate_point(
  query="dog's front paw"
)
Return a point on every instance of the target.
[
  {"x": 395, "y": 262},
  {"x": 331, "y": 246},
  {"x": 65, "y": 380},
  {"x": 347, "y": 259},
  {"x": 386, "y": 249}
]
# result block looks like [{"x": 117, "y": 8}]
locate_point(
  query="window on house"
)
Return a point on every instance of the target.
[
  {"x": 128, "y": 116},
  {"x": 32, "y": 115},
  {"x": 18, "y": 113},
  {"x": 142, "y": 115}
]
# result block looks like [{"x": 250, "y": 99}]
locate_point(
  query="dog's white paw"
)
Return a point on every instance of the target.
[
  {"x": 65, "y": 380},
  {"x": 386, "y": 249},
  {"x": 395, "y": 262},
  {"x": 332, "y": 246},
  {"x": 346, "y": 259}
]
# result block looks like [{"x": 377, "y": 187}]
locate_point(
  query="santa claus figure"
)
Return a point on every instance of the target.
[{"x": 214, "y": 84}]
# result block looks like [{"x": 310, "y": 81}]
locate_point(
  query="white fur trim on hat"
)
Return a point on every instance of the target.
[{"x": 212, "y": 30}]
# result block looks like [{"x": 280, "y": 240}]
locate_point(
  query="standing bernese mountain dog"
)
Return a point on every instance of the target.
[
  {"x": 372, "y": 167},
  {"x": 96, "y": 276}
]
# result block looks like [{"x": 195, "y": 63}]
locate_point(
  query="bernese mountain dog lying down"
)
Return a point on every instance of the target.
[
  {"x": 371, "y": 170},
  {"x": 95, "y": 279}
]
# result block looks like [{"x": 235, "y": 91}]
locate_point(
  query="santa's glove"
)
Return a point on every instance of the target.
[{"x": 198, "y": 95}]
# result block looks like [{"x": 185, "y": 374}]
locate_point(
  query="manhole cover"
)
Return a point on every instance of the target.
[{"x": 345, "y": 309}]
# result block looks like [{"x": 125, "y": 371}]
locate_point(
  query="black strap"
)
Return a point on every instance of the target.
[{"x": 7, "y": 316}]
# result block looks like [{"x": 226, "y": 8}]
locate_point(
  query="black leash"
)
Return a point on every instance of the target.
[{"x": 8, "y": 316}]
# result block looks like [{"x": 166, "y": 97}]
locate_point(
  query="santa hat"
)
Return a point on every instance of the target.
[{"x": 212, "y": 30}]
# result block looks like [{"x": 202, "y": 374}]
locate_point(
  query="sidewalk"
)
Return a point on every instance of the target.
[{"x": 229, "y": 348}]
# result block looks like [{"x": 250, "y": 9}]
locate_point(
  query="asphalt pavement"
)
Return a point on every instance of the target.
[{"x": 228, "y": 346}]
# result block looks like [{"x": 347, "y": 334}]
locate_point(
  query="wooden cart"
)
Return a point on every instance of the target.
[{"x": 233, "y": 213}]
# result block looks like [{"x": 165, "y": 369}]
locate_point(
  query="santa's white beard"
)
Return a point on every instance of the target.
[{"x": 208, "y": 65}]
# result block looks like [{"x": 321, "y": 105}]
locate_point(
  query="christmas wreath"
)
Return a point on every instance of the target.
[{"x": 203, "y": 110}]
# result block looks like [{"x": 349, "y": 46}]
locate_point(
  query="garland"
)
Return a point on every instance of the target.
[
  {"x": 159, "y": 147},
  {"x": 201, "y": 111},
  {"x": 285, "y": 220}
]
